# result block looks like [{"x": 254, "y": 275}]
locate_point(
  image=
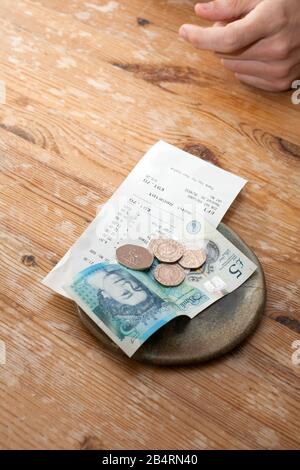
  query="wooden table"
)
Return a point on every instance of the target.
[{"x": 90, "y": 87}]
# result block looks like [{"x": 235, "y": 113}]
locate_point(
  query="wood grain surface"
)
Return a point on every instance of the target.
[{"x": 90, "y": 87}]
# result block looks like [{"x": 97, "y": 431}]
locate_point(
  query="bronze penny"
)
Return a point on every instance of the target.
[
  {"x": 169, "y": 275},
  {"x": 168, "y": 251},
  {"x": 153, "y": 244},
  {"x": 193, "y": 259},
  {"x": 134, "y": 257}
]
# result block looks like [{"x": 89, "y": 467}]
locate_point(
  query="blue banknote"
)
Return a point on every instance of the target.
[{"x": 130, "y": 305}]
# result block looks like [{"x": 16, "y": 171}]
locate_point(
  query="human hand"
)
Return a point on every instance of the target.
[{"x": 258, "y": 40}]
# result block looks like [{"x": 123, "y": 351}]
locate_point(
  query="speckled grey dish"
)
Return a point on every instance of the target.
[{"x": 214, "y": 332}]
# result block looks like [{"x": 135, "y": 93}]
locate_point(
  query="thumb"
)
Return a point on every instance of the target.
[{"x": 224, "y": 10}]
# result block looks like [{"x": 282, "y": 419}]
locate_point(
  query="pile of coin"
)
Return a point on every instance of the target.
[{"x": 175, "y": 259}]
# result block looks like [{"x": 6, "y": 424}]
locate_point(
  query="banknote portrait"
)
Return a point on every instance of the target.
[{"x": 119, "y": 299}]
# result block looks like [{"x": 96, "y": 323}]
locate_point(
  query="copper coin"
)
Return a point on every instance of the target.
[
  {"x": 168, "y": 251},
  {"x": 134, "y": 257},
  {"x": 153, "y": 244},
  {"x": 192, "y": 259},
  {"x": 169, "y": 275}
]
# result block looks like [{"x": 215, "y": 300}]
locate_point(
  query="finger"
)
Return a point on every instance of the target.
[
  {"x": 224, "y": 10},
  {"x": 275, "y": 47},
  {"x": 233, "y": 36},
  {"x": 220, "y": 23},
  {"x": 265, "y": 70},
  {"x": 257, "y": 82}
]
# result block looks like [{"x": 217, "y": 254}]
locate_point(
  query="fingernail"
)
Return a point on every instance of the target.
[
  {"x": 183, "y": 32},
  {"x": 206, "y": 6}
]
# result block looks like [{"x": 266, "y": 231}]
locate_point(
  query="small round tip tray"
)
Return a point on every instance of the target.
[{"x": 214, "y": 332}]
